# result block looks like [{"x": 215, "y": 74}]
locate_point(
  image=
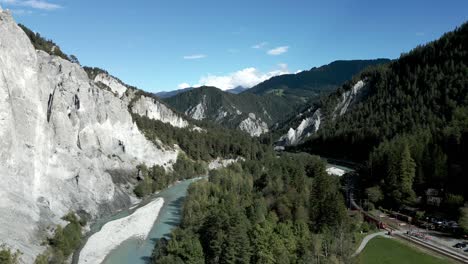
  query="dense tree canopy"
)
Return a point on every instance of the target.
[
  {"x": 210, "y": 143},
  {"x": 275, "y": 210}
]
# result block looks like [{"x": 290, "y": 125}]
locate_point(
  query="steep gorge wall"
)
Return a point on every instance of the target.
[{"x": 65, "y": 143}]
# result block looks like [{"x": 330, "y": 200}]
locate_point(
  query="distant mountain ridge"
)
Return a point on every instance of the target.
[
  {"x": 316, "y": 81},
  {"x": 264, "y": 107},
  {"x": 167, "y": 94},
  {"x": 237, "y": 90},
  {"x": 248, "y": 112}
]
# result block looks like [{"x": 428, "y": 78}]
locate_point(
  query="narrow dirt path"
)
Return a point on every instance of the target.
[{"x": 366, "y": 240}]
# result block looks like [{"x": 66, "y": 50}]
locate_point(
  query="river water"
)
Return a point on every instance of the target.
[{"x": 136, "y": 251}]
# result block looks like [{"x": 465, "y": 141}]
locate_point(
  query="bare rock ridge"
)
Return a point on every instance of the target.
[{"x": 62, "y": 138}]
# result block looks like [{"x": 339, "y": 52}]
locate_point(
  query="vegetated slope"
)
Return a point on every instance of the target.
[
  {"x": 40, "y": 43},
  {"x": 269, "y": 104},
  {"x": 167, "y": 94},
  {"x": 316, "y": 81},
  {"x": 411, "y": 125},
  {"x": 276, "y": 209},
  {"x": 248, "y": 112}
]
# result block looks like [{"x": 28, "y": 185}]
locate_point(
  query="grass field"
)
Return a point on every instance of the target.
[{"x": 382, "y": 250}]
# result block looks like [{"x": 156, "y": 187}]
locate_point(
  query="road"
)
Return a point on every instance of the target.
[
  {"x": 430, "y": 241},
  {"x": 366, "y": 240}
]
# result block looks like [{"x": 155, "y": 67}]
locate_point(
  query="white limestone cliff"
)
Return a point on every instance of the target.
[
  {"x": 307, "y": 127},
  {"x": 66, "y": 144},
  {"x": 115, "y": 85},
  {"x": 198, "y": 112},
  {"x": 156, "y": 110},
  {"x": 253, "y": 125},
  {"x": 347, "y": 98}
]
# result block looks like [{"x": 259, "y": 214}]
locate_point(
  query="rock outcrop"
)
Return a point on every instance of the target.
[
  {"x": 311, "y": 120},
  {"x": 307, "y": 127},
  {"x": 253, "y": 126},
  {"x": 114, "y": 85},
  {"x": 156, "y": 110},
  {"x": 66, "y": 144}
]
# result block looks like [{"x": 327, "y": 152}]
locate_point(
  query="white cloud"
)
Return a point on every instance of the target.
[
  {"x": 194, "y": 57},
  {"x": 8, "y": 2},
  {"x": 21, "y": 12},
  {"x": 41, "y": 5},
  {"x": 36, "y": 4},
  {"x": 278, "y": 50},
  {"x": 183, "y": 85},
  {"x": 259, "y": 45},
  {"x": 247, "y": 78}
]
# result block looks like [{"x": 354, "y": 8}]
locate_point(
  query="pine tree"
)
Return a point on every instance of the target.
[{"x": 407, "y": 173}]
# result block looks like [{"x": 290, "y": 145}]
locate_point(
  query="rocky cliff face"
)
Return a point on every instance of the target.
[
  {"x": 307, "y": 127},
  {"x": 67, "y": 145},
  {"x": 248, "y": 123},
  {"x": 156, "y": 110},
  {"x": 114, "y": 85},
  {"x": 311, "y": 120},
  {"x": 253, "y": 125}
]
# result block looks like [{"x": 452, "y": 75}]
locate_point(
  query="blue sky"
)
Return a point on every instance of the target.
[{"x": 161, "y": 45}]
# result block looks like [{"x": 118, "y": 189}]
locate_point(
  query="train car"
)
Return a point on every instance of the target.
[{"x": 373, "y": 220}]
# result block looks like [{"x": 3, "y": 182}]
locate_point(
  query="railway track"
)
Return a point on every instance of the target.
[{"x": 440, "y": 250}]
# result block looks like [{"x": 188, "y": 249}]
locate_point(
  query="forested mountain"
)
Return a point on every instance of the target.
[
  {"x": 269, "y": 104},
  {"x": 410, "y": 124},
  {"x": 316, "y": 81},
  {"x": 172, "y": 93},
  {"x": 167, "y": 94},
  {"x": 237, "y": 90},
  {"x": 248, "y": 112}
]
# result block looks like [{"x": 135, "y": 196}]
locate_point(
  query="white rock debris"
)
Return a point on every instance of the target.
[
  {"x": 198, "y": 112},
  {"x": 156, "y": 110},
  {"x": 221, "y": 114},
  {"x": 307, "y": 127},
  {"x": 62, "y": 141},
  {"x": 115, "y": 85},
  {"x": 347, "y": 99},
  {"x": 253, "y": 125},
  {"x": 112, "y": 234},
  {"x": 222, "y": 163},
  {"x": 335, "y": 171}
]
